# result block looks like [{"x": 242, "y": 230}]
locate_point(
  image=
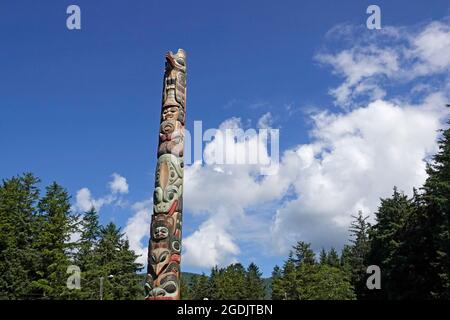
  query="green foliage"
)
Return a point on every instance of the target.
[
  {"x": 233, "y": 282},
  {"x": 36, "y": 247},
  {"x": 302, "y": 278},
  {"x": 277, "y": 284},
  {"x": 201, "y": 288},
  {"x": 255, "y": 287},
  {"x": 409, "y": 241},
  {"x": 354, "y": 256},
  {"x": 18, "y": 229}
]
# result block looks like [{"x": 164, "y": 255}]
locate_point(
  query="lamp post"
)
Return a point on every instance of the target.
[{"x": 101, "y": 285}]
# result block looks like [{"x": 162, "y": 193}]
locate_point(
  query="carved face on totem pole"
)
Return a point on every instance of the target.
[
  {"x": 163, "y": 275},
  {"x": 169, "y": 184}
]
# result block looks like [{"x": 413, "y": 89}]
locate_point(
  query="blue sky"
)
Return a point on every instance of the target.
[{"x": 78, "y": 106}]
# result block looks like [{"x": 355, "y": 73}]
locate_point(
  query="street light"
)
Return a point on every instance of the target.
[{"x": 101, "y": 285}]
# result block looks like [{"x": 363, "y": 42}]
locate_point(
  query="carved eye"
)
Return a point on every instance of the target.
[
  {"x": 176, "y": 246},
  {"x": 180, "y": 62},
  {"x": 153, "y": 258},
  {"x": 163, "y": 257},
  {"x": 170, "y": 287}
]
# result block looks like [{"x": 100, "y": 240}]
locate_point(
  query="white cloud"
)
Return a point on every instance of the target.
[
  {"x": 222, "y": 193},
  {"x": 265, "y": 121},
  {"x": 393, "y": 55},
  {"x": 432, "y": 48},
  {"x": 85, "y": 201},
  {"x": 355, "y": 158},
  {"x": 210, "y": 245},
  {"x": 119, "y": 184},
  {"x": 138, "y": 228}
]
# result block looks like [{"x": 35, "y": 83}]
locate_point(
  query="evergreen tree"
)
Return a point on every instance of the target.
[
  {"x": 304, "y": 279},
  {"x": 255, "y": 288},
  {"x": 213, "y": 282},
  {"x": 333, "y": 258},
  {"x": 303, "y": 254},
  {"x": 436, "y": 198},
  {"x": 201, "y": 288},
  {"x": 323, "y": 258},
  {"x": 277, "y": 284},
  {"x": 56, "y": 225},
  {"x": 117, "y": 265},
  {"x": 185, "y": 291},
  {"x": 354, "y": 259},
  {"x": 85, "y": 257},
  {"x": 422, "y": 264},
  {"x": 386, "y": 236},
  {"x": 323, "y": 282},
  {"x": 18, "y": 223},
  {"x": 289, "y": 278},
  {"x": 346, "y": 260}
]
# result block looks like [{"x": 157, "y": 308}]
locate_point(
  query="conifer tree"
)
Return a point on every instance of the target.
[
  {"x": 18, "y": 223},
  {"x": 333, "y": 258},
  {"x": 201, "y": 288},
  {"x": 277, "y": 284},
  {"x": 255, "y": 288},
  {"x": 117, "y": 265},
  {"x": 56, "y": 225},
  {"x": 355, "y": 257},
  {"x": 386, "y": 236}
]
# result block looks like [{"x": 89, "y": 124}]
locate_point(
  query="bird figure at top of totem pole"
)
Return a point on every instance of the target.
[{"x": 164, "y": 250}]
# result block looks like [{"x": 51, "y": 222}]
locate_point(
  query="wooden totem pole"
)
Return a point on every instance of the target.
[{"x": 164, "y": 250}]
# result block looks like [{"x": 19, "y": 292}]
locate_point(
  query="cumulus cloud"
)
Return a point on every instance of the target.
[
  {"x": 84, "y": 200},
  {"x": 379, "y": 59},
  {"x": 118, "y": 184},
  {"x": 222, "y": 193},
  {"x": 210, "y": 245},
  {"x": 137, "y": 229},
  {"x": 353, "y": 158}
]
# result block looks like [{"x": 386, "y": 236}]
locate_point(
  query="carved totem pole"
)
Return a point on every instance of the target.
[{"x": 164, "y": 251}]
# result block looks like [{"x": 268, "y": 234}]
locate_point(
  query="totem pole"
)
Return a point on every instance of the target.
[{"x": 164, "y": 250}]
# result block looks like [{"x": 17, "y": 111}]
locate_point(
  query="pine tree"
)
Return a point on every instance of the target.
[
  {"x": 289, "y": 278},
  {"x": 323, "y": 282},
  {"x": 323, "y": 258},
  {"x": 333, "y": 258},
  {"x": 436, "y": 199},
  {"x": 185, "y": 290},
  {"x": 255, "y": 288},
  {"x": 56, "y": 226},
  {"x": 85, "y": 257},
  {"x": 304, "y": 279},
  {"x": 356, "y": 255},
  {"x": 117, "y": 265},
  {"x": 303, "y": 254},
  {"x": 213, "y": 282},
  {"x": 277, "y": 284},
  {"x": 18, "y": 199},
  {"x": 201, "y": 288},
  {"x": 386, "y": 236},
  {"x": 423, "y": 258},
  {"x": 346, "y": 260}
]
